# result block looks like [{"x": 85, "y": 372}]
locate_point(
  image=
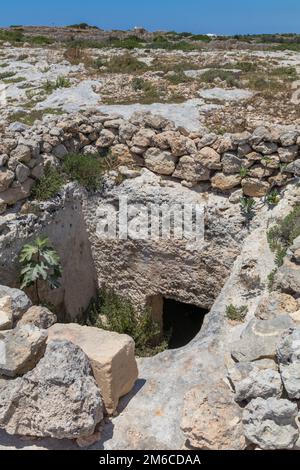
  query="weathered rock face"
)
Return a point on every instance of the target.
[
  {"x": 212, "y": 420},
  {"x": 41, "y": 317},
  {"x": 111, "y": 356},
  {"x": 260, "y": 338},
  {"x": 59, "y": 398},
  {"x": 263, "y": 384},
  {"x": 144, "y": 265},
  {"x": 271, "y": 423},
  {"x": 22, "y": 348},
  {"x": 274, "y": 304},
  {"x": 288, "y": 354}
]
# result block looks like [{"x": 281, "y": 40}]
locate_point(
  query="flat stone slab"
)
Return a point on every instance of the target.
[
  {"x": 111, "y": 356},
  {"x": 220, "y": 94}
]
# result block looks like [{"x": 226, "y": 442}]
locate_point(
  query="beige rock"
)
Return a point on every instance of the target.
[
  {"x": 209, "y": 158},
  {"x": 38, "y": 316},
  {"x": 106, "y": 139},
  {"x": 295, "y": 316},
  {"x": 161, "y": 162},
  {"x": 143, "y": 138},
  {"x": 225, "y": 182},
  {"x": 255, "y": 188},
  {"x": 212, "y": 420},
  {"x": 274, "y": 304},
  {"x": 111, "y": 356},
  {"x": 14, "y": 194},
  {"x": 22, "y": 153},
  {"x": 6, "y": 177},
  {"x": 178, "y": 144},
  {"x": 6, "y": 313},
  {"x": 190, "y": 170}
]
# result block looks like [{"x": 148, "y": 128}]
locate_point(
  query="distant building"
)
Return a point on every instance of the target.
[{"x": 211, "y": 35}]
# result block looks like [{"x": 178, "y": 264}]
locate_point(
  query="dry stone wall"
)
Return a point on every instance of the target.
[{"x": 252, "y": 162}]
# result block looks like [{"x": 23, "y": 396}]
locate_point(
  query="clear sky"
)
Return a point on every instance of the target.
[{"x": 197, "y": 16}]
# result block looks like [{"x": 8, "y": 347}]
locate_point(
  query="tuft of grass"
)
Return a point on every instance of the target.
[
  {"x": 114, "y": 313},
  {"x": 225, "y": 75},
  {"x": 234, "y": 313},
  {"x": 5, "y": 75},
  {"x": 14, "y": 80},
  {"x": 177, "y": 78},
  {"x": 49, "y": 185},
  {"x": 86, "y": 169},
  {"x": 61, "y": 82}
]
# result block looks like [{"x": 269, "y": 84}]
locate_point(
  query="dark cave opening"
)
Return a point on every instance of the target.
[{"x": 181, "y": 321}]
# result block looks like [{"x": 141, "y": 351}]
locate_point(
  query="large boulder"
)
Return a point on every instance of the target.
[
  {"x": 38, "y": 316},
  {"x": 255, "y": 188},
  {"x": 189, "y": 168},
  {"x": 58, "y": 399},
  {"x": 211, "y": 418},
  {"x": 22, "y": 348},
  {"x": 271, "y": 423},
  {"x": 259, "y": 339},
  {"x": 111, "y": 356},
  {"x": 288, "y": 354}
]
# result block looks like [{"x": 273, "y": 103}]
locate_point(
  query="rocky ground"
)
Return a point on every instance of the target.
[{"x": 214, "y": 125}]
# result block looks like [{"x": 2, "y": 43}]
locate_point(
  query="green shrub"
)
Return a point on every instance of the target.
[
  {"x": 225, "y": 75},
  {"x": 125, "y": 64},
  {"x": 86, "y": 169},
  {"x": 5, "y": 75},
  {"x": 114, "y": 313},
  {"x": 40, "y": 40},
  {"x": 236, "y": 313},
  {"x": 247, "y": 205},
  {"x": 49, "y": 185},
  {"x": 177, "y": 78},
  {"x": 273, "y": 198},
  {"x": 281, "y": 235},
  {"x": 60, "y": 82},
  {"x": 12, "y": 36}
]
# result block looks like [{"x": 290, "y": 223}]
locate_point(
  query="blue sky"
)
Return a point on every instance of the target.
[{"x": 197, "y": 16}]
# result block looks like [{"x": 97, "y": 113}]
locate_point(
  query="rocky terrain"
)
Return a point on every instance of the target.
[{"x": 82, "y": 127}]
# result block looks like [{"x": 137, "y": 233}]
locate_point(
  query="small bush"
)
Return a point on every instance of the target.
[
  {"x": 49, "y": 185},
  {"x": 281, "y": 235},
  {"x": 86, "y": 169},
  {"x": 177, "y": 78},
  {"x": 225, "y": 75},
  {"x": 114, "y": 313},
  {"x": 236, "y": 313},
  {"x": 40, "y": 40},
  {"x": 61, "y": 82},
  {"x": 125, "y": 64}
]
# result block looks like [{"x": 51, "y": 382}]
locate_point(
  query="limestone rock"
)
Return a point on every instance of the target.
[
  {"x": 211, "y": 419},
  {"x": 274, "y": 304},
  {"x": 260, "y": 338},
  {"x": 22, "y": 172},
  {"x": 111, "y": 356},
  {"x": 288, "y": 354},
  {"x": 6, "y": 177},
  {"x": 271, "y": 423},
  {"x": 22, "y": 153},
  {"x": 143, "y": 138},
  {"x": 39, "y": 316},
  {"x": 288, "y": 277},
  {"x": 225, "y": 182},
  {"x": 6, "y": 313},
  {"x": 59, "y": 151},
  {"x": 259, "y": 384},
  {"x": 232, "y": 164},
  {"x": 289, "y": 138},
  {"x": 106, "y": 139},
  {"x": 22, "y": 348},
  {"x": 209, "y": 158},
  {"x": 190, "y": 170},
  {"x": 17, "y": 193},
  {"x": 19, "y": 300},
  {"x": 288, "y": 154},
  {"x": 161, "y": 162},
  {"x": 58, "y": 399},
  {"x": 255, "y": 188}
]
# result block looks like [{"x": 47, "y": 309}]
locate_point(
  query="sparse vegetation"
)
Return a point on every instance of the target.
[
  {"x": 114, "y": 313},
  {"x": 49, "y": 185},
  {"x": 61, "y": 82},
  {"x": 125, "y": 64},
  {"x": 225, "y": 75},
  {"x": 86, "y": 169},
  {"x": 273, "y": 198},
  {"x": 247, "y": 205},
  {"x": 234, "y": 313},
  {"x": 283, "y": 233}
]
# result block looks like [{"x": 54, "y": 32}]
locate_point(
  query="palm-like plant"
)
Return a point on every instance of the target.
[{"x": 40, "y": 263}]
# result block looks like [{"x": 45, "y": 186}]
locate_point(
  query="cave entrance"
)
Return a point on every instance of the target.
[{"x": 180, "y": 321}]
